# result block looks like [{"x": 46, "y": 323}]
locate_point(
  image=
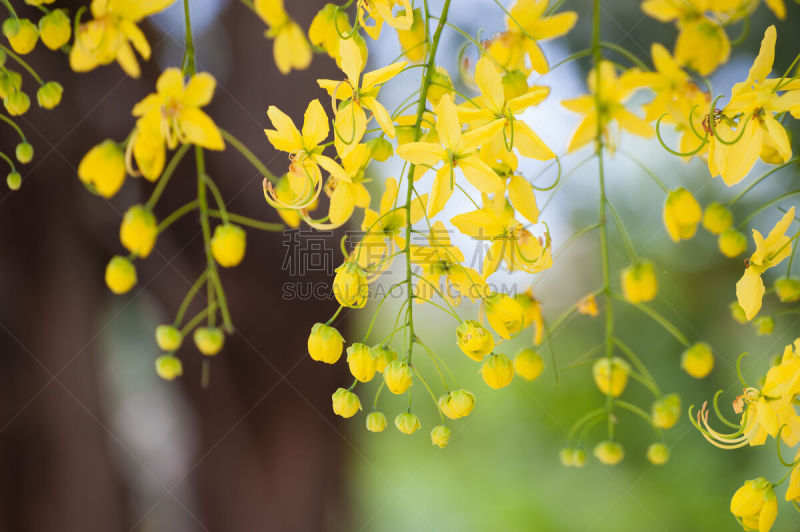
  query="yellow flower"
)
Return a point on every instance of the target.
[
  {"x": 120, "y": 275},
  {"x": 764, "y": 325},
  {"x": 103, "y": 168},
  {"x": 666, "y": 411},
  {"x": 290, "y": 49},
  {"x": 325, "y": 28},
  {"x": 348, "y": 191},
  {"x": 754, "y": 505},
  {"x": 702, "y": 42},
  {"x": 325, "y": 343},
  {"x": 658, "y": 453},
  {"x": 497, "y": 371},
  {"x": 456, "y": 150},
  {"x": 110, "y": 34},
  {"x": 639, "y": 282},
  {"x": 504, "y": 314},
  {"x": 442, "y": 259},
  {"x": 527, "y": 26},
  {"x": 48, "y": 96},
  {"x": 511, "y": 242},
  {"x": 55, "y": 29},
  {"x": 168, "y": 338},
  {"x": 440, "y": 436},
  {"x": 732, "y": 243},
  {"x": 361, "y": 362},
  {"x": 345, "y": 403},
  {"x": 350, "y": 286},
  {"x": 228, "y": 245},
  {"x": 769, "y": 252},
  {"x": 609, "y": 452},
  {"x": 21, "y": 34},
  {"x": 17, "y": 103},
  {"x": 376, "y": 422},
  {"x": 788, "y": 289},
  {"x": 611, "y": 95},
  {"x": 697, "y": 360},
  {"x": 528, "y": 364},
  {"x": 398, "y": 377},
  {"x": 682, "y": 213},
  {"x": 474, "y": 340},
  {"x": 736, "y": 147},
  {"x": 305, "y": 178},
  {"x": 532, "y": 314},
  {"x": 209, "y": 340},
  {"x": 383, "y": 355},
  {"x": 717, "y": 218},
  {"x": 494, "y": 104},
  {"x": 138, "y": 230},
  {"x": 169, "y": 367},
  {"x": 357, "y": 93},
  {"x": 172, "y": 116},
  {"x": 588, "y": 306},
  {"x": 456, "y": 404},
  {"x": 611, "y": 376},
  {"x": 384, "y": 11},
  {"x": 407, "y": 423},
  {"x": 414, "y": 40}
]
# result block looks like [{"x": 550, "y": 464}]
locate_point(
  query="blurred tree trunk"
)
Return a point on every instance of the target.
[{"x": 270, "y": 455}]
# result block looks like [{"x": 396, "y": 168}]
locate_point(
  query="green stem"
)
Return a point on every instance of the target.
[
  {"x": 249, "y": 155},
  {"x": 165, "y": 177},
  {"x": 245, "y": 220},
  {"x": 22, "y": 63},
  {"x": 661, "y": 320},
  {"x": 169, "y": 220},
  {"x": 217, "y": 197},
  {"x": 13, "y": 124},
  {"x": 188, "y": 54},
  {"x": 189, "y": 296}
]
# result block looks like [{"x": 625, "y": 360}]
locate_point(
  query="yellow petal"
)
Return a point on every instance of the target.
[
  {"x": 471, "y": 140},
  {"x": 382, "y": 75},
  {"x": 199, "y": 90},
  {"x": 315, "y": 125},
  {"x": 170, "y": 83},
  {"x": 520, "y": 193},
  {"x": 342, "y": 204},
  {"x": 481, "y": 224},
  {"x": 587, "y": 130},
  {"x": 285, "y": 136},
  {"x": 488, "y": 79},
  {"x": 481, "y": 176},
  {"x": 749, "y": 292},
  {"x": 448, "y": 126},
  {"x": 529, "y": 144},
  {"x": 199, "y": 129},
  {"x": 351, "y": 60},
  {"x": 762, "y": 65},
  {"x": 424, "y": 153},
  {"x": 441, "y": 190}
]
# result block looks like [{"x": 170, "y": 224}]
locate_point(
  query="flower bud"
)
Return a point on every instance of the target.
[
  {"x": 14, "y": 180},
  {"x": 228, "y": 245},
  {"x": 55, "y": 29},
  {"x": 682, "y": 213},
  {"x": 732, "y": 243},
  {"x": 639, "y": 282},
  {"x": 209, "y": 340},
  {"x": 168, "y": 338},
  {"x": 698, "y": 361},
  {"x": 441, "y": 84},
  {"x": 456, "y": 404},
  {"x": 611, "y": 376},
  {"x": 376, "y": 422},
  {"x": 49, "y": 94},
  {"x": 565, "y": 456},
  {"x": 504, "y": 314},
  {"x": 10, "y": 81},
  {"x": 474, "y": 340},
  {"x": 578, "y": 457},
  {"x": 168, "y": 367},
  {"x": 609, "y": 452},
  {"x": 737, "y": 312},
  {"x": 24, "y": 152},
  {"x": 323, "y": 29},
  {"x": 138, "y": 230},
  {"x": 380, "y": 148},
  {"x": 440, "y": 435},
  {"x": 497, "y": 371},
  {"x": 515, "y": 83},
  {"x": 383, "y": 355},
  {"x": 413, "y": 41},
  {"x": 120, "y": 274},
  {"x": 755, "y": 505},
  {"x": 788, "y": 289},
  {"x": 17, "y": 103},
  {"x": 666, "y": 411},
  {"x": 325, "y": 343},
  {"x": 345, "y": 403},
  {"x": 528, "y": 364},
  {"x": 103, "y": 168},
  {"x": 407, "y": 423},
  {"x": 398, "y": 377},
  {"x": 717, "y": 218},
  {"x": 658, "y": 453},
  {"x": 21, "y": 34},
  {"x": 764, "y": 325},
  {"x": 350, "y": 285},
  {"x": 361, "y": 362}
]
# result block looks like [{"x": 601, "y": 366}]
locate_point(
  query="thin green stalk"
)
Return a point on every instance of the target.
[
  {"x": 249, "y": 155},
  {"x": 177, "y": 214},
  {"x": 250, "y": 222},
  {"x": 165, "y": 177}
]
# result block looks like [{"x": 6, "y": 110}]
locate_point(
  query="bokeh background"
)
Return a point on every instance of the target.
[{"x": 92, "y": 440}]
